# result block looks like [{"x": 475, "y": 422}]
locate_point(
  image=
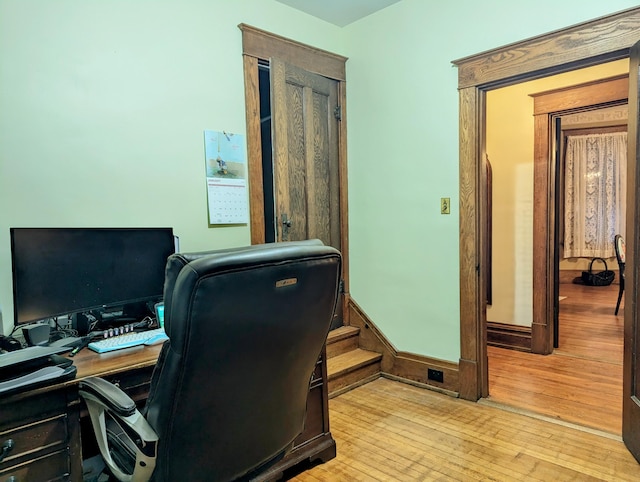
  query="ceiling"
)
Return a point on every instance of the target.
[{"x": 339, "y": 12}]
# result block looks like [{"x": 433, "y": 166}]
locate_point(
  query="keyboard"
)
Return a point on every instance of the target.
[{"x": 128, "y": 340}]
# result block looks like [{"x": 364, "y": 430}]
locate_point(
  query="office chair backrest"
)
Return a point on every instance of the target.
[
  {"x": 246, "y": 328},
  {"x": 179, "y": 260},
  {"x": 620, "y": 249}
]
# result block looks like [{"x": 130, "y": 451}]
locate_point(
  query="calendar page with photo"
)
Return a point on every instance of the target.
[{"x": 226, "y": 169}]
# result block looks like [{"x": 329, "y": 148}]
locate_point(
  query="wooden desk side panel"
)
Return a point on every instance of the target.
[{"x": 132, "y": 369}]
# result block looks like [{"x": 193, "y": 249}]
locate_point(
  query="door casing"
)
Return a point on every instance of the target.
[
  {"x": 601, "y": 40},
  {"x": 546, "y": 107}
]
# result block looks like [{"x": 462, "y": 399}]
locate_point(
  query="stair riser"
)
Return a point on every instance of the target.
[
  {"x": 342, "y": 346},
  {"x": 353, "y": 377}
]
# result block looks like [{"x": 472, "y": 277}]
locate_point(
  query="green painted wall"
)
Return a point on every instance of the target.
[
  {"x": 403, "y": 153},
  {"x": 103, "y": 104}
]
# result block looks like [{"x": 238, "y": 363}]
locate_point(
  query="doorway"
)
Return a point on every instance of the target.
[
  {"x": 549, "y": 109},
  {"x": 520, "y": 147},
  {"x": 591, "y": 43},
  {"x": 609, "y": 38},
  {"x": 522, "y": 379}
]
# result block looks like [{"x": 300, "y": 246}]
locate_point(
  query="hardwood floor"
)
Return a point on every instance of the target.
[
  {"x": 581, "y": 382},
  {"x": 389, "y": 431},
  {"x": 555, "y": 417}
]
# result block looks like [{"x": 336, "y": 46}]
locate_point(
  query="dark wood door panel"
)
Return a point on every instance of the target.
[{"x": 305, "y": 146}]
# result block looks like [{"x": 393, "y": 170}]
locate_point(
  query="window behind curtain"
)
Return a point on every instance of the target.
[{"x": 595, "y": 193}]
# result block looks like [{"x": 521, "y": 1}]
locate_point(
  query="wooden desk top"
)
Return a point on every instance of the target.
[{"x": 91, "y": 364}]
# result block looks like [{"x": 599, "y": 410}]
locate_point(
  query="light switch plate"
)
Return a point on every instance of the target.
[{"x": 445, "y": 205}]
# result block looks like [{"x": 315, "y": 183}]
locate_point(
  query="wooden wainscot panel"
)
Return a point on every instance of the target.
[
  {"x": 371, "y": 338},
  {"x": 414, "y": 369},
  {"x": 402, "y": 366}
]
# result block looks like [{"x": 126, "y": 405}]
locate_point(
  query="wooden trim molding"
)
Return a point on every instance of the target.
[
  {"x": 589, "y": 43},
  {"x": 402, "y": 366},
  {"x": 603, "y": 91},
  {"x": 264, "y": 45},
  {"x": 344, "y": 198},
  {"x": 472, "y": 314},
  {"x": 254, "y": 149},
  {"x": 543, "y": 223},
  {"x": 630, "y": 392},
  {"x": 504, "y": 335}
]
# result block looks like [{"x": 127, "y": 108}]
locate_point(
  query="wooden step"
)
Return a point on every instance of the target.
[
  {"x": 351, "y": 369},
  {"x": 342, "y": 340}
]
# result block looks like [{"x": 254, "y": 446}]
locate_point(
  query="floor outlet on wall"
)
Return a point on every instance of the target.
[{"x": 435, "y": 375}]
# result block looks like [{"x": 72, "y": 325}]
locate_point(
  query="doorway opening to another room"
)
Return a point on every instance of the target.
[
  {"x": 522, "y": 379},
  {"x": 605, "y": 39}
]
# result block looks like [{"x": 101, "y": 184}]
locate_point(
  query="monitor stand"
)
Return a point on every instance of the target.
[{"x": 119, "y": 316}]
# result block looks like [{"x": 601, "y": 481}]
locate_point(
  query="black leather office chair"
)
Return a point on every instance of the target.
[
  {"x": 228, "y": 395},
  {"x": 618, "y": 242}
]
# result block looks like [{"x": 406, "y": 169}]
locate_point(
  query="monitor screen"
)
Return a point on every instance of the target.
[{"x": 60, "y": 271}]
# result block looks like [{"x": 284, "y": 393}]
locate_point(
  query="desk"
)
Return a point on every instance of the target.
[{"x": 45, "y": 423}]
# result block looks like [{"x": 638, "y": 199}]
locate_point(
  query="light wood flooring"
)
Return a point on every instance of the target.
[
  {"x": 581, "y": 382},
  {"x": 390, "y": 431},
  {"x": 555, "y": 417}
]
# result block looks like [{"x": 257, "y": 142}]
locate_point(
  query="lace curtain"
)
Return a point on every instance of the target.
[{"x": 595, "y": 193}]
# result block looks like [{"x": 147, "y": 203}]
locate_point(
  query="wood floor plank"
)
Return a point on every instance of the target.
[
  {"x": 581, "y": 382},
  {"x": 386, "y": 430},
  {"x": 389, "y": 431}
]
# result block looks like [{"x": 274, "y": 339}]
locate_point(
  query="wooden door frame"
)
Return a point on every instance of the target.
[
  {"x": 590, "y": 43},
  {"x": 547, "y": 105},
  {"x": 260, "y": 45},
  {"x": 630, "y": 434}
]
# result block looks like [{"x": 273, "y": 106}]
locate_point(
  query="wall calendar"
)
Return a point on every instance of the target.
[{"x": 226, "y": 167}]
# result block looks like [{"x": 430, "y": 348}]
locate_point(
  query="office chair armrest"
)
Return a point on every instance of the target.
[
  {"x": 110, "y": 395},
  {"x": 104, "y": 400}
]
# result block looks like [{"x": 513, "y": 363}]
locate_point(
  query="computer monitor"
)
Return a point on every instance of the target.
[{"x": 61, "y": 271}]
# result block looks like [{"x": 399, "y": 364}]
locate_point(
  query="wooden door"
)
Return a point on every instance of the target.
[
  {"x": 631, "y": 382},
  {"x": 557, "y": 169},
  {"x": 305, "y": 115}
]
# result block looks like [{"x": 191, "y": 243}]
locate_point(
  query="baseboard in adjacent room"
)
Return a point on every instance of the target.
[{"x": 504, "y": 335}]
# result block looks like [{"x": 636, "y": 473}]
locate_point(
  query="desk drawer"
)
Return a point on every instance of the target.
[
  {"x": 24, "y": 408},
  {"x": 49, "y": 468},
  {"x": 38, "y": 436}
]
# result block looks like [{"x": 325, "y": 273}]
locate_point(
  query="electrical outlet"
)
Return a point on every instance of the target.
[
  {"x": 445, "y": 205},
  {"x": 435, "y": 375}
]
